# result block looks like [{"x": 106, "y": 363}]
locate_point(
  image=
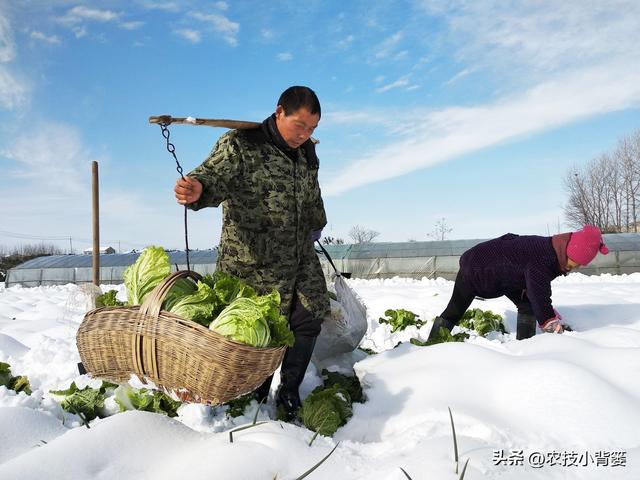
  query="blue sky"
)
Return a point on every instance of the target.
[{"x": 472, "y": 111}]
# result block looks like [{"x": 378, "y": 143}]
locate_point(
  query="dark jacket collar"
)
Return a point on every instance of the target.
[{"x": 270, "y": 130}]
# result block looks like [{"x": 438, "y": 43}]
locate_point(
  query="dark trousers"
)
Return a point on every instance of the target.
[
  {"x": 463, "y": 294},
  {"x": 302, "y": 322},
  {"x": 461, "y": 298},
  {"x": 305, "y": 329}
]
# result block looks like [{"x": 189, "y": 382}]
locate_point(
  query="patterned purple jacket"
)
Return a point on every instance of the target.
[{"x": 513, "y": 264}]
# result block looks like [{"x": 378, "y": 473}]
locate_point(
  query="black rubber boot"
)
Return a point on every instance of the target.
[
  {"x": 262, "y": 392},
  {"x": 526, "y": 326},
  {"x": 294, "y": 366},
  {"x": 438, "y": 323}
]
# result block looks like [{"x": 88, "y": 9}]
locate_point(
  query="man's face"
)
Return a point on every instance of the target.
[{"x": 297, "y": 127}]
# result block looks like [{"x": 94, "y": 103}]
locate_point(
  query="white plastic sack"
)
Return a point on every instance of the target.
[{"x": 343, "y": 330}]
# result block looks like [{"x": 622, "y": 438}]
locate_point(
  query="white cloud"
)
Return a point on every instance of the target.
[
  {"x": 558, "y": 62},
  {"x": 63, "y": 207},
  {"x": 460, "y": 75},
  {"x": 387, "y": 46},
  {"x": 403, "y": 83},
  {"x": 53, "y": 39},
  {"x": 7, "y": 44},
  {"x": 133, "y": 25},
  {"x": 346, "y": 41},
  {"x": 50, "y": 151},
  {"x": 79, "y": 13},
  {"x": 79, "y": 32},
  {"x": 285, "y": 56},
  {"x": 345, "y": 117},
  {"x": 166, "y": 6},
  {"x": 221, "y": 25},
  {"x": 540, "y": 37},
  {"x": 267, "y": 34},
  {"x": 191, "y": 35},
  {"x": 438, "y": 136},
  {"x": 222, "y": 6},
  {"x": 13, "y": 92}
]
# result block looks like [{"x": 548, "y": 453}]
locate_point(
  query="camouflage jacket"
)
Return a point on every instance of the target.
[{"x": 271, "y": 204}]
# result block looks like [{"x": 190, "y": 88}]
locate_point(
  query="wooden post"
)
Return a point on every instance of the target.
[{"x": 96, "y": 224}]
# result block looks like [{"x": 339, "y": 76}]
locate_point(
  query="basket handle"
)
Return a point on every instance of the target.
[
  {"x": 153, "y": 301},
  {"x": 145, "y": 358}
]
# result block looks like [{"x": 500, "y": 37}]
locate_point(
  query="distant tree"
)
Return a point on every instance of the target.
[
  {"x": 23, "y": 253},
  {"x": 362, "y": 235},
  {"x": 440, "y": 230},
  {"x": 605, "y": 192}
]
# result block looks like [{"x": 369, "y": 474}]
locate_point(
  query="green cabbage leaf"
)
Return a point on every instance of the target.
[
  {"x": 244, "y": 321},
  {"x": 326, "y": 409},
  {"x": 151, "y": 267}
]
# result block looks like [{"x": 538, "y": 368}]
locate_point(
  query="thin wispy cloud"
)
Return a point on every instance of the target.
[
  {"x": 460, "y": 75},
  {"x": 55, "y": 150},
  {"x": 188, "y": 34},
  {"x": 448, "y": 133},
  {"x": 222, "y": 6},
  {"x": 387, "y": 47},
  {"x": 220, "y": 24},
  {"x": 79, "y": 32},
  {"x": 543, "y": 36},
  {"x": 7, "y": 43},
  {"x": 50, "y": 151},
  {"x": 285, "y": 56},
  {"x": 346, "y": 42},
  {"x": 132, "y": 25},
  {"x": 164, "y": 6},
  {"x": 81, "y": 13},
  {"x": 53, "y": 39},
  {"x": 555, "y": 64},
  {"x": 404, "y": 83},
  {"x": 13, "y": 92}
]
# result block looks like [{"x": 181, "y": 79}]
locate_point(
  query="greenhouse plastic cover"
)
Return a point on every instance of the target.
[{"x": 366, "y": 260}]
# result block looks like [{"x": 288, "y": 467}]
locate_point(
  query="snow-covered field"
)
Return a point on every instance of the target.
[{"x": 551, "y": 407}]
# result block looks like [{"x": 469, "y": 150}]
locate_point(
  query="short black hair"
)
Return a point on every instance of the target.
[{"x": 293, "y": 98}]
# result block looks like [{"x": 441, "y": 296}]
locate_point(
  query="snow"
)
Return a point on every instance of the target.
[{"x": 573, "y": 397}]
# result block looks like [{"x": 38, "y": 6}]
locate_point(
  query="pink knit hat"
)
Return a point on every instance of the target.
[{"x": 584, "y": 245}]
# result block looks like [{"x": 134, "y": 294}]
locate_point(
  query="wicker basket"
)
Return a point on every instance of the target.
[{"x": 176, "y": 354}]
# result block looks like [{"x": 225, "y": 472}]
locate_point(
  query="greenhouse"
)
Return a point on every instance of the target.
[
  {"x": 63, "y": 269},
  {"x": 364, "y": 260},
  {"x": 440, "y": 258}
]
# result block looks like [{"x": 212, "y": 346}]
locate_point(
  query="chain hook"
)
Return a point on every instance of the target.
[{"x": 172, "y": 150}]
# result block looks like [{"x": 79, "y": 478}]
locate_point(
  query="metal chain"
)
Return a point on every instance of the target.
[{"x": 172, "y": 150}]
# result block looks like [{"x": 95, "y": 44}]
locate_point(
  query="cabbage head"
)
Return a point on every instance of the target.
[
  {"x": 244, "y": 321},
  {"x": 151, "y": 267},
  {"x": 326, "y": 409},
  {"x": 482, "y": 321},
  {"x": 197, "y": 304}
]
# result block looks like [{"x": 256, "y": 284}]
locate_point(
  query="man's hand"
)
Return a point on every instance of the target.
[
  {"x": 315, "y": 235},
  {"x": 188, "y": 190}
]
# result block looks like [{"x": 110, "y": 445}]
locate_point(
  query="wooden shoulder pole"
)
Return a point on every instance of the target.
[
  {"x": 210, "y": 122},
  {"x": 96, "y": 224}
]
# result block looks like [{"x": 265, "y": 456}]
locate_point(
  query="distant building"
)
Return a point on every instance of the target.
[{"x": 103, "y": 250}]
